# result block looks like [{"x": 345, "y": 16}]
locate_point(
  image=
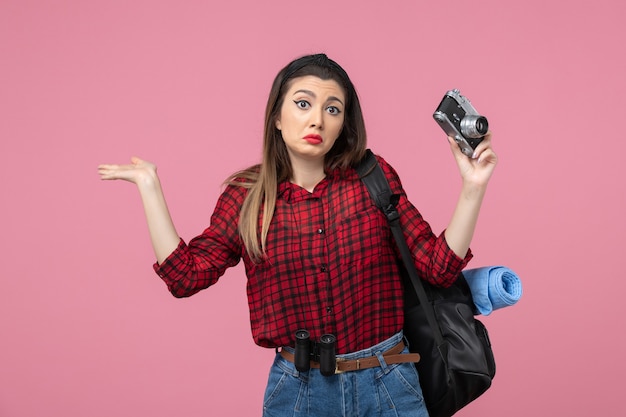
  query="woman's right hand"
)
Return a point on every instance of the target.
[{"x": 137, "y": 172}]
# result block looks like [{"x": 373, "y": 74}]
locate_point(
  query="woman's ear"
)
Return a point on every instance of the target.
[{"x": 277, "y": 124}]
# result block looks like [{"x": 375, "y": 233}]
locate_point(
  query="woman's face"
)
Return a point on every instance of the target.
[{"x": 311, "y": 117}]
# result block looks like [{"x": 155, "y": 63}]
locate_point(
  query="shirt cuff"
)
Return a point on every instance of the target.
[
  {"x": 453, "y": 263},
  {"x": 167, "y": 268}
]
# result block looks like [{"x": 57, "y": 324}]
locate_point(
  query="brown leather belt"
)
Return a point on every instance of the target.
[{"x": 393, "y": 355}]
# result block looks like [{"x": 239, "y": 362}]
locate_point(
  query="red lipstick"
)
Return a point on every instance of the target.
[{"x": 313, "y": 139}]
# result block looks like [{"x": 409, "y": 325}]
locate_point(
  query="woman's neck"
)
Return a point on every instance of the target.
[{"x": 307, "y": 176}]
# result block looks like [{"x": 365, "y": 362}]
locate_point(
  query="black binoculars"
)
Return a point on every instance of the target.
[{"x": 322, "y": 352}]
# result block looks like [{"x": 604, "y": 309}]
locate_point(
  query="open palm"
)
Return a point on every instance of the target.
[{"x": 137, "y": 171}]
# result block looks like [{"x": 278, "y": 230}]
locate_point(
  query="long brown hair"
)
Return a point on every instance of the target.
[{"x": 263, "y": 179}]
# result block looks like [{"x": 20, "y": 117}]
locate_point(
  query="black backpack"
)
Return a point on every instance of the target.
[{"x": 457, "y": 363}]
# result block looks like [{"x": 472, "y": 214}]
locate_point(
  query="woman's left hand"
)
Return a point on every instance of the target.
[{"x": 478, "y": 169}]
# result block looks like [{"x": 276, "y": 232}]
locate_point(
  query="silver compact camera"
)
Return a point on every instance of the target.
[{"x": 459, "y": 119}]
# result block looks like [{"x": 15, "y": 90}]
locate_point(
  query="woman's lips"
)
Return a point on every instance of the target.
[{"x": 313, "y": 139}]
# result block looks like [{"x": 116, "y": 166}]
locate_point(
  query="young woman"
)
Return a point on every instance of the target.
[{"x": 318, "y": 254}]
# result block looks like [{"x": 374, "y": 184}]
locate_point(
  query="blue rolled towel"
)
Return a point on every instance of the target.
[{"x": 493, "y": 287}]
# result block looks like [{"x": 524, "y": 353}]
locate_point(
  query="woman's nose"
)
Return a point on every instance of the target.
[{"x": 317, "y": 118}]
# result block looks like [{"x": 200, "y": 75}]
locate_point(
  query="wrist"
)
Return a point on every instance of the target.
[
  {"x": 473, "y": 191},
  {"x": 148, "y": 181}
]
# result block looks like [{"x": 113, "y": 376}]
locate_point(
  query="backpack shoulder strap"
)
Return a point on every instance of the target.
[{"x": 374, "y": 179}]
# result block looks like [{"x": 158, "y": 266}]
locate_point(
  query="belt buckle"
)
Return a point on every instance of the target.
[{"x": 337, "y": 370}]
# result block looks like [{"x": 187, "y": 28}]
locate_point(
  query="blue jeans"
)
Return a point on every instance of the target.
[{"x": 388, "y": 390}]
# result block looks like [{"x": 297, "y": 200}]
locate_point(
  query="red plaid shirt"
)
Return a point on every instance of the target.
[{"x": 332, "y": 264}]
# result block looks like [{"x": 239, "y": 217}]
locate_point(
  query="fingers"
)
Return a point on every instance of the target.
[
  {"x": 116, "y": 171},
  {"x": 484, "y": 146},
  {"x": 480, "y": 166},
  {"x": 487, "y": 156},
  {"x": 109, "y": 172},
  {"x": 484, "y": 162},
  {"x": 138, "y": 170}
]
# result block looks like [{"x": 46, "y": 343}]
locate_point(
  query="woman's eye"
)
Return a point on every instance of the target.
[
  {"x": 303, "y": 104},
  {"x": 333, "y": 110}
]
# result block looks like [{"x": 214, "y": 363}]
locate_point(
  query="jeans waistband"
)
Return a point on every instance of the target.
[{"x": 372, "y": 351}]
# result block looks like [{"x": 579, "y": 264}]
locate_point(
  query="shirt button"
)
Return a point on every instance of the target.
[
  {"x": 323, "y": 268},
  {"x": 320, "y": 231}
]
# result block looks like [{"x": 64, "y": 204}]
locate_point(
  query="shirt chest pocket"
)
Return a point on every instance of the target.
[{"x": 363, "y": 237}]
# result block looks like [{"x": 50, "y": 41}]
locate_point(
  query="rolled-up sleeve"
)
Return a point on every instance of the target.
[
  {"x": 435, "y": 261},
  {"x": 198, "y": 265}
]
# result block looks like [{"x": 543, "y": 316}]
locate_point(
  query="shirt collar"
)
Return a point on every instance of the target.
[{"x": 293, "y": 193}]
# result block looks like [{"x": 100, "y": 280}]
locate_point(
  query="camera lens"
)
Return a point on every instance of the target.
[
  {"x": 482, "y": 126},
  {"x": 474, "y": 126}
]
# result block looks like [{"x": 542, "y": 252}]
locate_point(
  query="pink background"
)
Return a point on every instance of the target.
[{"x": 87, "y": 328}]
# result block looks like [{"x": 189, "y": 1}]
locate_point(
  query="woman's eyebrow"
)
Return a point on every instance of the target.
[{"x": 312, "y": 94}]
